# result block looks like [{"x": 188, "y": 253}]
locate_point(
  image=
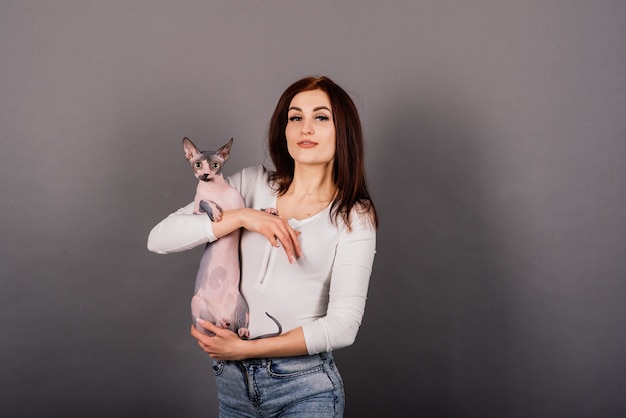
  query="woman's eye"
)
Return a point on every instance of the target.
[
  {"x": 295, "y": 118},
  {"x": 322, "y": 117}
]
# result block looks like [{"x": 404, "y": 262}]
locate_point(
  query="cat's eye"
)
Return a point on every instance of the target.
[
  {"x": 198, "y": 165},
  {"x": 216, "y": 166}
]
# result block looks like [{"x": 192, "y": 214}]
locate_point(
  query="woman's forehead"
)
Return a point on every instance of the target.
[{"x": 310, "y": 99}]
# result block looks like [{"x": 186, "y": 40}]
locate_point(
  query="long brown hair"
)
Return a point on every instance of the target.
[{"x": 348, "y": 165}]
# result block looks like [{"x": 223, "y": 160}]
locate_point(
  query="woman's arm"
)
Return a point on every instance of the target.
[
  {"x": 183, "y": 230},
  {"x": 349, "y": 283},
  {"x": 226, "y": 345},
  {"x": 277, "y": 230},
  {"x": 180, "y": 231}
]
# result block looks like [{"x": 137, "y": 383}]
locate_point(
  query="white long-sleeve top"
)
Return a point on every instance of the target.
[{"x": 324, "y": 291}]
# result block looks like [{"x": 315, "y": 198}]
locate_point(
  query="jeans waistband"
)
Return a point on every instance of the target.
[{"x": 262, "y": 362}]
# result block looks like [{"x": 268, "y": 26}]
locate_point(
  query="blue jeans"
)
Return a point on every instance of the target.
[{"x": 303, "y": 386}]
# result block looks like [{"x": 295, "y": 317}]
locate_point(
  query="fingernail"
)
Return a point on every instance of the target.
[{"x": 200, "y": 320}]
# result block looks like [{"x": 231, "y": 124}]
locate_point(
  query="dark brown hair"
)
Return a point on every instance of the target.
[{"x": 348, "y": 165}]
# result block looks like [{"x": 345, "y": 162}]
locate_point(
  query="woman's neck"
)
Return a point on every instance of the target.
[
  {"x": 310, "y": 191},
  {"x": 312, "y": 183}
]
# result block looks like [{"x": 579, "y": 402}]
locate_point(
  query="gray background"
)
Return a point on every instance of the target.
[{"x": 495, "y": 134}]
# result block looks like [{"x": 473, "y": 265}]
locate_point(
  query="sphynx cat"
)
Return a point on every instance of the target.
[{"x": 217, "y": 298}]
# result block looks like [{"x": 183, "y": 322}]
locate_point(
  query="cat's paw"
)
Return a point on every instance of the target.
[
  {"x": 224, "y": 323},
  {"x": 212, "y": 209},
  {"x": 244, "y": 333},
  {"x": 216, "y": 216}
]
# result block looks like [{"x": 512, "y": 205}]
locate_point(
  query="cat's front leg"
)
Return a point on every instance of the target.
[{"x": 212, "y": 209}]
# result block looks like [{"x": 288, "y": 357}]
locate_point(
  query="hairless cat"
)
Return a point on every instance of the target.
[{"x": 217, "y": 298}]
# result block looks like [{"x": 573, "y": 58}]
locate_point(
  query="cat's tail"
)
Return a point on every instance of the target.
[{"x": 274, "y": 334}]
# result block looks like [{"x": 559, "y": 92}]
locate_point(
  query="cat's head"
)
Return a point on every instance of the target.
[{"x": 206, "y": 165}]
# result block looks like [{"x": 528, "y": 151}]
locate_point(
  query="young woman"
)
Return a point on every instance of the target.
[{"x": 309, "y": 267}]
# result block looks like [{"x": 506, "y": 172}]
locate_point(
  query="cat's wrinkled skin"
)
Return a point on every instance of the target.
[{"x": 217, "y": 298}]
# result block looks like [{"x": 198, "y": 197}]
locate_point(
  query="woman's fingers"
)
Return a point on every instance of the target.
[
  {"x": 199, "y": 338},
  {"x": 208, "y": 325},
  {"x": 277, "y": 231},
  {"x": 288, "y": 238},
  {"x": 204, "y": 339},
  {"x": 222, "y": 344}
]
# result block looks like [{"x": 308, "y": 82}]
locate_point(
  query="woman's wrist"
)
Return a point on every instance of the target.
[
  {"x": 291, "y": 343},
  {"x": 231, "y": 221}
]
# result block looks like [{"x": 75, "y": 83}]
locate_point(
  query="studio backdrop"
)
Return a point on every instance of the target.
[{"x": 495, "y": 142}]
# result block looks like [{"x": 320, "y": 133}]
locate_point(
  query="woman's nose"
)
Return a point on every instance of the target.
[{"x": 307, "y": 127}]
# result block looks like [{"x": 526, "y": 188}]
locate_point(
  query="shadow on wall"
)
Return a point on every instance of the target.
[{"x": 435, "y": 329}]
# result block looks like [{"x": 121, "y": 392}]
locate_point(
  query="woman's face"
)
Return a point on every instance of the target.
[{"x": 310, "y": 128}]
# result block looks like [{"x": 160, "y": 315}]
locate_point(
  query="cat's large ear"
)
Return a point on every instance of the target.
[
  {"x": 224, "y": 152},
  {"x": 189, "y": 149}
]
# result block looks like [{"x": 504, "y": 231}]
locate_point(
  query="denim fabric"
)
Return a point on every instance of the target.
[{"x": 303, "y": 386}]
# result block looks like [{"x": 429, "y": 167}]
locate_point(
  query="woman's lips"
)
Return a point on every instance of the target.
[{"x": 307, "y": 144}]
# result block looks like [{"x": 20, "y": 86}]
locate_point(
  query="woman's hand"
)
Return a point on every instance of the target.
[
  {"x": 276, "y": 229},
  {"x": 224, "y": 345}
]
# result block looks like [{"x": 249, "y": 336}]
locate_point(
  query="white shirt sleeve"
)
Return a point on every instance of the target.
[
  {"x": 183, "y": 230},
  {"x": 348, "y": 290},
  {"x": 180, "y": 231}
]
